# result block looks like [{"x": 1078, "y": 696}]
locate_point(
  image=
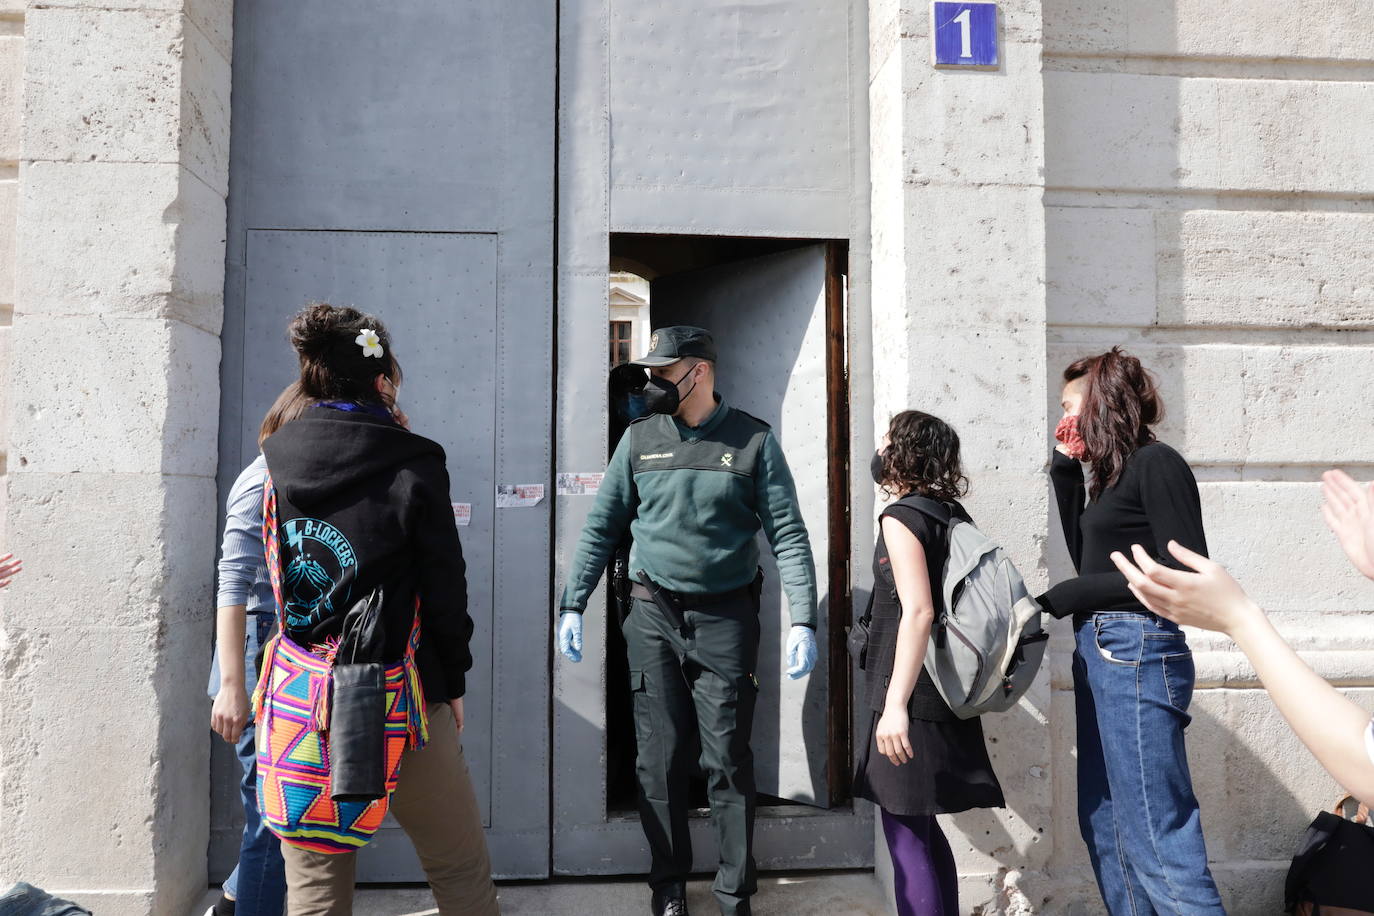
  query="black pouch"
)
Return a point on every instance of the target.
[
  {"x": 857, "y": 635},
  {"x": 357, "y": 733},
  {"x": 357, "y": 707}
]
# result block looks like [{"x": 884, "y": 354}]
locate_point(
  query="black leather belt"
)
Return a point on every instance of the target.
[{"x": 688, "y": 600}]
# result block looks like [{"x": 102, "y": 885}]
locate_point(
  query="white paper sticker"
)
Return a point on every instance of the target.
[
  {"x": 570, "y": 484},
  {"x": 462, "y": 514},
  {"x": 518, "y": 495}
]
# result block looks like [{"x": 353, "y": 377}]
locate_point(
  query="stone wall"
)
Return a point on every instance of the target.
[
  {"x": 121, "y": 168},
  {"x": 1207, "y": 202},
  {"x": 958, "y": 160},
  {"x": 1209, "y": 206},
  {"x": 11, "y": 120}
]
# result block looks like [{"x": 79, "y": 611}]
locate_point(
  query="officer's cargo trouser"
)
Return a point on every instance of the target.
[{"x": 706, "y": 671}]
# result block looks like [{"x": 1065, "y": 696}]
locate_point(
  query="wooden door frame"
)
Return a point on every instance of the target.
[{"x": 838, "y": 721}]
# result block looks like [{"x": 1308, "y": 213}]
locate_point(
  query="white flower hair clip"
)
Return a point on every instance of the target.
[{"x": 370, "y": 342}]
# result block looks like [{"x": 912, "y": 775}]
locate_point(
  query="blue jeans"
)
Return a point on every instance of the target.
[
  {"x": 1133, "y": 683},
  {"x": 258, "y": 882}
]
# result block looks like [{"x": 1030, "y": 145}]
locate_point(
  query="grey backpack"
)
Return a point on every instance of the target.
[{"x": 987, "y": 646}]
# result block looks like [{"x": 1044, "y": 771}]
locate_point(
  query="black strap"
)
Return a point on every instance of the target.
[{"x": 867, "y": 616}]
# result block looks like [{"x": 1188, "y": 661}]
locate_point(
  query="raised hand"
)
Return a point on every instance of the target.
[
  {"x": 1208, "y": 597},
  {"x": 1349, "y": 512},
  {"x": 9, "y": 568}
]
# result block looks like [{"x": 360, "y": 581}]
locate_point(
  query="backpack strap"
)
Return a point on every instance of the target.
[
  {"x": 272, "y": 547},
  {"x": 931, "y": 508},
  {"x": 939, "y": 512}
]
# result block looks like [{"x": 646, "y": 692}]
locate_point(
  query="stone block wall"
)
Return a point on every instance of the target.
[
  {"x": 113, "y": 178},
  {"x": 1191, "y": 180},
  {"x": 1209, "y": 206},
  {"x": 958, "y": 160},
  {"x": 11, "y": 120}
]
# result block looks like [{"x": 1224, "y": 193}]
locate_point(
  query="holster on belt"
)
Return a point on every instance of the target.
[
  {"x": 620, "y": 580},
  {"x": 663, "y": 599}
]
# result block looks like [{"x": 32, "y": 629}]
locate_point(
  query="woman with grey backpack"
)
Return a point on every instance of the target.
[{"x": 917, "y": 758}]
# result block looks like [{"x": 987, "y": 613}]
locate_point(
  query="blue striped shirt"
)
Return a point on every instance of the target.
[{"x": 242, "y": 560}]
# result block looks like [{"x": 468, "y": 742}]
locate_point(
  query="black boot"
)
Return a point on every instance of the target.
[{"x": 669, "y": 903}]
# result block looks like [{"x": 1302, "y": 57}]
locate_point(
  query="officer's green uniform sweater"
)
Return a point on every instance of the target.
[{"x": 694, "y": 499}]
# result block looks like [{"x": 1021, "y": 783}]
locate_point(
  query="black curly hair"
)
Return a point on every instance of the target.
[
  {"x": 922, "y": 457},
  {"x": 333, "y": 365}
]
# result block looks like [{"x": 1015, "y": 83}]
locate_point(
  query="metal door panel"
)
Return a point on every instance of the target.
[
  {"x": 731, "y": 117},
  {"x": 429, "y": 116},
  {"x": 378, "y": 119},
  {"x": 768, "y": 318},
  {"x": 437, "y": 294}
]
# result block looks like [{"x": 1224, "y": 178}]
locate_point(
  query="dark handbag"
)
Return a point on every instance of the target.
[
  {"x": 857, "y": 635},
  {"x": 1330, "y": 874},
  {"x": 357, "y": 709}
]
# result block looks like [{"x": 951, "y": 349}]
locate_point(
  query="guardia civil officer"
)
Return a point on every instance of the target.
[{"x": 694, "y": 481}]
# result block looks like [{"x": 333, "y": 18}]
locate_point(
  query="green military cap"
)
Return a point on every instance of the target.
[{"x": 668, "y": 345}]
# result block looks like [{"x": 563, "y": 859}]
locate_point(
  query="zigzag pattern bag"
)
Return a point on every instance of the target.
[{"x": 291, "y": 706}]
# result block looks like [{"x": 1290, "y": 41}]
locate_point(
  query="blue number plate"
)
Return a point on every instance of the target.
[{"x": 965, "y": 34}]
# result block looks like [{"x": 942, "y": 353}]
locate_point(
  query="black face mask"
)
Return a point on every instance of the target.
[
  {"x": 661, "y": 395},
  {"x": 875, "y": 466}
]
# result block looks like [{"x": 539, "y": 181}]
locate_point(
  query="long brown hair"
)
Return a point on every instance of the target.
[
  {"x": 922, "y": 457},
  {"x": 290, "y": 404},
  {"x": 1120, "y": 404}
]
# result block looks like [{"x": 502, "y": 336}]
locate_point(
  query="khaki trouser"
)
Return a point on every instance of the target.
[{"x": 435, "y": 805}]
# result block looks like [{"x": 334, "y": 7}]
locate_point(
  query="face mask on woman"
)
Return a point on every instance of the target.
[
  {"x": 875, "y": 466},
  {"x": 1067, "y": 433}
]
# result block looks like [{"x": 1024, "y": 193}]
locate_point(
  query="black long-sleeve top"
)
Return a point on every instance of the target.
[{"x": 1154, "y": 502}]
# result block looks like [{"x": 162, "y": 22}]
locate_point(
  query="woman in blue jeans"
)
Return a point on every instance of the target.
[
  {"x": 247, "y": 611},
  {"x": 1132, "y": 670}
]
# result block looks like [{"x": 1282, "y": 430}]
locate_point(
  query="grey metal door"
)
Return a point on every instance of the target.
[
  {"x": 437, "y": 294},
  {"x": 402, "y": 160},
  {"x": 768, "y": 318}
]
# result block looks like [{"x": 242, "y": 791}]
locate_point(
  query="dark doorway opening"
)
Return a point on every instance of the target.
[{"x": 675, "y": 266}]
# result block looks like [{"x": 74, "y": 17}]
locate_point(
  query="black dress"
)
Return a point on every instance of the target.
[{"x": 950, "y": 771}]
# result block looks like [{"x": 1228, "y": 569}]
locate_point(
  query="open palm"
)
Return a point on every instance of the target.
[
  {"x": 9, "y": 568},
  {"x": 1349, "y": 512}
]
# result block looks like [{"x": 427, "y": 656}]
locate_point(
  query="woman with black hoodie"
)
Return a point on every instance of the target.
[{"x": 363, "y": 504}]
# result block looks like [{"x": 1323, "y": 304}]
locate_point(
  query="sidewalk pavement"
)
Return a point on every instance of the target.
[{"x": 813, "y": 894}]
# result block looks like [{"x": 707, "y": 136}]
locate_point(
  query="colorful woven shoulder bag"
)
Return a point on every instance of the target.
[{"x": 291, "y": 707}]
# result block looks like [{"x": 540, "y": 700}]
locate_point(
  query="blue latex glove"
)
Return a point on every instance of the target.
[
  {"x": 570, "y": 636},
  {"x": 801, "y": 652}
]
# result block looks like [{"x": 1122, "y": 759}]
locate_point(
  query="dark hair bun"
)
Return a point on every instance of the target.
[
  {"x": 318, "y": 326},
  {"x": 334, "y": 365}
]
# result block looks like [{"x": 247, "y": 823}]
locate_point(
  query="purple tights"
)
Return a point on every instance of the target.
[{"x": 925, "y": 879}]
